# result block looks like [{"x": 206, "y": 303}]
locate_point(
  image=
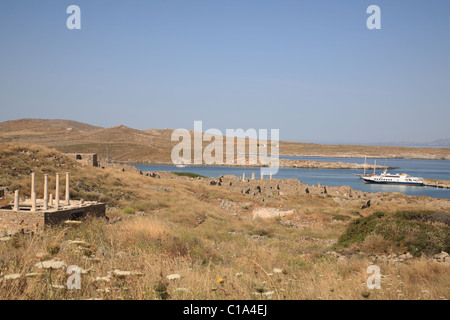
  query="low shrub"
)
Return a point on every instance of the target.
[
  {"x": 188, "y": 174},
  {"x": 419, "y": 232},
  {"x": 129, "y": 210}
]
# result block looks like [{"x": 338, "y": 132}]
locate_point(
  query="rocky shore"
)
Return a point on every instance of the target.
[
  {"x": 307, "y": 164},
  {"x": 437, "y": 183},
  {"x": 283, "y": 163},
  {"x": 344, "y": 196}
]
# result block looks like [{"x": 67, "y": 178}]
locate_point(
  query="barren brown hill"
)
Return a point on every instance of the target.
[
  {"x": 41, "y": 125},
  {"x": 43, "y": 131},
  {"x": 121, "y": 143},
  {"x": 359, "y": 151}
]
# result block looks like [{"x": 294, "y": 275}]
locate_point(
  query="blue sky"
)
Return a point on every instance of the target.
[{"x": 309, "y": 68}]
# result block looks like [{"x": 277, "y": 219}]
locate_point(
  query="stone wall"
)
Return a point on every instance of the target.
[
  {"x": 12, "y": 222},
  {"x": 16, "y": 221},
  {"x": 95, "y": 210},
  {"x": 87, "y": 159}
]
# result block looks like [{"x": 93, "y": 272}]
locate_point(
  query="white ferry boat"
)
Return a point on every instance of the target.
[{"x": 397, "y": 178}]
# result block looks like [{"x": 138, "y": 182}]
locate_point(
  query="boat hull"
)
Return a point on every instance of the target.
[{"x": 395, "y": 182}]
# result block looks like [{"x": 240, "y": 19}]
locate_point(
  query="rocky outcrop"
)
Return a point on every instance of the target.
[
  {"x": 366, "y": 205},
  {"x": 307, "y": 164},
  {"x": 265, "y": 213},
  {"x": 442, "y": 257}
]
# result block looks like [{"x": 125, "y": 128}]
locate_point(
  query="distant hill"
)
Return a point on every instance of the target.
[
  {"x": 442, "y": 142},
  {"x": 43, "y": 125},
  {"x": 122, "y": 143}
]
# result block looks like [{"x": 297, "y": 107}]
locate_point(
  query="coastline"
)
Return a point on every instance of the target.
[
  {"x": 444, "y": 184},
  {"x": 284, "y": 163},
  {"x": 299, "y": 164},
  {"x": 411, "y": 157}
]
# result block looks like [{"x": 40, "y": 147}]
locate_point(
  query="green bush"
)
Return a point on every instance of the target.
[
  {"x": 129, "y": 210},
  {"x": 148, "y": 205},
  {"x": 340, "y": 217},
  {"x": 188, "y": 174},
  {"x": 53, "y": 249},
  {"x": 160, "y": 289},
  {"x": 359, "y": 229},
  {"x": 419, "y": 232}
]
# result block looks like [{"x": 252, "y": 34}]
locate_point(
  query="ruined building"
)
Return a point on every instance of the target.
[
  {"x": 33, "y": 214},
  {"x": 86, "y": 159}
]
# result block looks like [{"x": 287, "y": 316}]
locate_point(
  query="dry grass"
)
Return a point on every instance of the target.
[
  {"x": 217, "y": 255},
  {"x": 246, "y": 268}
]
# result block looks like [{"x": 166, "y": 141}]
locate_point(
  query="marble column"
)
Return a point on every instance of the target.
[
  {"x": 67, "y": 188},
  {"x": 16, "y": 200},
  {"x": 57, "y": 192},
  {"x": 33, "y": 185},
  {"x": 45, "y": 191},
  {"x": 33, "y": 202}
]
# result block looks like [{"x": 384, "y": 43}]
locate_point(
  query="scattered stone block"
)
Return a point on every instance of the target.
[
  {"x": 265, "y": 213},
  {"x": 123, "y": 274},
  {"x": 174, "y": 276},
  {"x": 14, "y": 276},
  {"x": 73, "y": 223},
  {"x": 51, "y": 264},
  {"x": 276, "y": 270},
  {"x": 366, "y": 205}
]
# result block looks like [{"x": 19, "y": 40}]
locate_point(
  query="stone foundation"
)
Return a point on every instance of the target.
[
  {"x": 93, "y": 211},
  {"x": 16, "y": 221},
  {"x": 12, "y": 221},
  {"x": 32, "y": 214}
]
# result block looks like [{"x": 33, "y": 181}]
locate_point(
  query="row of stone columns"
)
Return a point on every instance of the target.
[
  {"x": 253, "y": 176},
  {"x": 46, "y": 198}
]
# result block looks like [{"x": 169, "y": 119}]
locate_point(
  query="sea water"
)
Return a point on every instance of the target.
[{"x": 427, "y": 169}]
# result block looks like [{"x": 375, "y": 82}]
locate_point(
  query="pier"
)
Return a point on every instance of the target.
[{"x": 445, "y": 184}]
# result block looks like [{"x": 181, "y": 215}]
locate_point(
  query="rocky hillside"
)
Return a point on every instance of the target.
[{"x": 121, "y": 143}]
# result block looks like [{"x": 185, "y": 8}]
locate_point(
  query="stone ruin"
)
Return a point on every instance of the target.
[
  {"x": 266, "y": 188},
  {"x": 33, "y": 213},
  {"x": 86, "y": 159}
]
